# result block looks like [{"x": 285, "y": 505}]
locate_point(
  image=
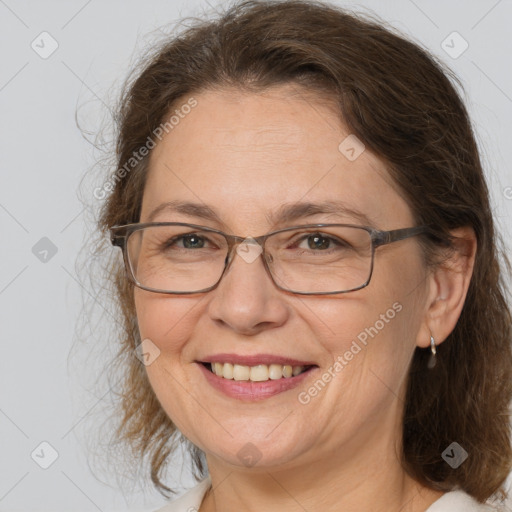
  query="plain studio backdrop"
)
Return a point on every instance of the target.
[{"x": 65, "y": 58}]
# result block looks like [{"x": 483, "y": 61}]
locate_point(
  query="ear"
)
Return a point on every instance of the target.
[{"x": 447, "y": 289}]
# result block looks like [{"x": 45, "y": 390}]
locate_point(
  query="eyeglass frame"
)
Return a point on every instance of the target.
[{"x": 120, "y": 233}]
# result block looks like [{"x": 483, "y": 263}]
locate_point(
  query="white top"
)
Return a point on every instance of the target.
[{"x": 454, "y": 501}]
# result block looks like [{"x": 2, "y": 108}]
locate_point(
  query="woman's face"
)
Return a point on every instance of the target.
[{"x": 246, "y": 156}]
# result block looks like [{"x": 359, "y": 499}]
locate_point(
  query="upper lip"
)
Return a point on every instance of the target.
[{"x": 254, "y": 360}]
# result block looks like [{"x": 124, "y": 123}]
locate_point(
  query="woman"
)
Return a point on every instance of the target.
[{"x": 310, "y": 274}]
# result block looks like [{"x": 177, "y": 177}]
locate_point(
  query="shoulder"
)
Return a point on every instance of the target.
[
  {"x": 460, "y": 501},
  {"x": 190, "y": 501}
]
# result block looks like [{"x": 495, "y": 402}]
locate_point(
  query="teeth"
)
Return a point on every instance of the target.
[
  {"x": 275, "y": 371},
  {"x": 259, "y": 373}
]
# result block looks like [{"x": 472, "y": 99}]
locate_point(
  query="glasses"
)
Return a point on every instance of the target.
[{"x": 313, "y": 259}]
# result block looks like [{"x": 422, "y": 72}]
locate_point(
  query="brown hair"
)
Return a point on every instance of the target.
[{"x": 400, "y": 102}]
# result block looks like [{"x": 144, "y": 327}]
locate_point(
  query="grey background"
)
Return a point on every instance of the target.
[{"x": 43, "y": 157}]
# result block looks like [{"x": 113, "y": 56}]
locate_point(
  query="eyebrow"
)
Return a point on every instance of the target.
[{"x": 285, "y": 214}]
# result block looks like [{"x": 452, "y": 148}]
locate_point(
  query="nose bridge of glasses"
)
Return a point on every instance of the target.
[{"x": 247, "y": 248}]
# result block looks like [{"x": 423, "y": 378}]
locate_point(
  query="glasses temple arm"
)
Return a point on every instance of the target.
[{"x": 387, "y": 237}]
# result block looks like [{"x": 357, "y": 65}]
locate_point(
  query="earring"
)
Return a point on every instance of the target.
[{"x": 432, "y": 361}]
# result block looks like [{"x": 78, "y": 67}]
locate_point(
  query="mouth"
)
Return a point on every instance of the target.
[
  {"x": 257, "y": 382},
  {"x": 255, "y": 377},
  {"x": 257, "y": 373}
]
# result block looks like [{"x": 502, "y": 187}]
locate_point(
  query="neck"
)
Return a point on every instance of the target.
[
  {"x": 274, "y": 491},
  {"x": 362, "y": 477}
]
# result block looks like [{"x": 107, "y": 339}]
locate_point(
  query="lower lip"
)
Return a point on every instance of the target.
[{"x": 253, "y": 391}]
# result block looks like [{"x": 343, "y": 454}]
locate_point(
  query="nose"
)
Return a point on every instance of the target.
[{"x": 246, "y": 300}]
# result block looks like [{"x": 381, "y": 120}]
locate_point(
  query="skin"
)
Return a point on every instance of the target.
[{"x": 245, "y": 154}]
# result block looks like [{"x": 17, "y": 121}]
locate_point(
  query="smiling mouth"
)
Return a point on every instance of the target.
[{"x": 258, "y": 373}]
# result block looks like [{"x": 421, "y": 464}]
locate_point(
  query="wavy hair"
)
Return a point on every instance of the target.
[{"x": 403, "y": 104}]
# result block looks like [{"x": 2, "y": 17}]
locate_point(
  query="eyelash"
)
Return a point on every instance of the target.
[{"x": 335, "y": 241}]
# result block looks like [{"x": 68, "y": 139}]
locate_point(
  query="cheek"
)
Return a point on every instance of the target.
[
  {"x": 373, "y": 331},
  {"x": 371, "y": 328},
  {"x": 167, "y": 321},
  {"x": 397, "y": 298}
]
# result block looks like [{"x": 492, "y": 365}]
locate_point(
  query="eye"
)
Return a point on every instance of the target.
[
  {"x": 180, "y": 239},
  {"x": 190, "y": 241},
  {"x": 321, "y": 242},
  {"x": 318, "y": 241}
]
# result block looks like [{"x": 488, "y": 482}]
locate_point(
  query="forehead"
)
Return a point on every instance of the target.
[{"x": 247, "y": 154}]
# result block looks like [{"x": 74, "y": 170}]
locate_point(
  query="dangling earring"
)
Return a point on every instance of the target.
[{"x": 432, "y": 361}]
